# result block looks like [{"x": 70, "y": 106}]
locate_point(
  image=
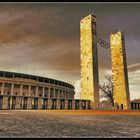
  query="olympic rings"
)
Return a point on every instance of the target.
[{"x": 103, "y": 43}]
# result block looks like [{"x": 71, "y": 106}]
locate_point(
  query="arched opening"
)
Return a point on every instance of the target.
[
  {"x": 69, "y": 104},
  {"x": 54, "y": 104},
  {"x": 62, "y": 104},
  {"x": 45, "y": 103}
]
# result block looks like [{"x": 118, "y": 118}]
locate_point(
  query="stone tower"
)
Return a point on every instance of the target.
[
  {"x": 119, "y": 71},
  {"x": 89, "y": 60}
]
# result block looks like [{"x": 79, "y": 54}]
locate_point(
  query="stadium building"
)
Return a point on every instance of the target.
[{"x": 24, "y": 91}]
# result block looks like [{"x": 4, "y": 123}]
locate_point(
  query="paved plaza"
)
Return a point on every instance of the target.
[{"x": 55, "y": 123}]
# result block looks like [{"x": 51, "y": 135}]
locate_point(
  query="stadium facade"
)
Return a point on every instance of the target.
[{"x": 24, "y": 91}]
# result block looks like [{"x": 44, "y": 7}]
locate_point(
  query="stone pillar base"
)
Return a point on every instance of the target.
[
  {"x": 40, "y": 103},
  {"x": 17, "y": 103},
  {"x": 49, "y": 103},
  {"x": 80, "y": 104},
  {"x": 5, "y": 103},
  {"x": 66, "y": 104},
  {"x": 58, "y": 104},
  {"x": 29, "y": 103},
  {"x": 73, "y": 104}
]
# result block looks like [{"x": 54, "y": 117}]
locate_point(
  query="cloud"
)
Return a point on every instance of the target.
[
  {"x": 44, "y": 39},
  {"x": 77, "y": 85},
  {"x": 134, "y": 67}
]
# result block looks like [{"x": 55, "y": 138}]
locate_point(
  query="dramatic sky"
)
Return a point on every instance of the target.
[{"x": 43, "y": 39}]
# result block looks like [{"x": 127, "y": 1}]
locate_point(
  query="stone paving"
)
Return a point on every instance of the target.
[{"x": 24, "y": 123}]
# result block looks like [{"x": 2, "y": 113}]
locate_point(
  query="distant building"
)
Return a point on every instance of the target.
[
  {"x": 135, "y": 104},
  {"x": 22, "y": 91},
  {"x": 106, "y": 105}
]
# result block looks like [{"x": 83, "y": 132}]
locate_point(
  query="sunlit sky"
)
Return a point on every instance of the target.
[{"x": 43, "y": 39}]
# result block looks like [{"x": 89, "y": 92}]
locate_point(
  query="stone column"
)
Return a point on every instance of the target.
[
  {"x": 58, "y": 104},
  {"x": 21, "y": 102},
  {"x": 87, "y": 104},
  {"x": 63, "y": 93},
  {"x": 49, "y": 103},
  {"x": 58, "y": 96},
  {"x": 11, "y": 100},
  {"x": 40, "y": 103},
  {"x": 137, "y": 104},
  {"x": 48, "y": 92},
  {"x": 32, "y": 103},
  {"x": 66, "y": 104},
  {"x": 29, "y": 103},
  {"x": 12, "y": 88},
  {"x": 53, "y": 92},
  {"x": 2, "y": 88},
  {"x": 80, "y": 104},
  {"x": 73, "y": 104},
  {"x": 5, "y": 103},
  {"x": 60, "y": 93},
  {"x": 17, "y": 103},
  {"x": 29, "y": 90},
  {"x": 36, "y": 92},
  {"x": 21, "y": 89},
  {"x": 43, "y": 91}
]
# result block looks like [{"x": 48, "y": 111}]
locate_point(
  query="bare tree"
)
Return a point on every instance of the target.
[{"x": 107, "y": 89}]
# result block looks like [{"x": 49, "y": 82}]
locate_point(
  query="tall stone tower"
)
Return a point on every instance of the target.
[
  {"x": 89, "y": 60},
  {"x": 119, "y": 71}
]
